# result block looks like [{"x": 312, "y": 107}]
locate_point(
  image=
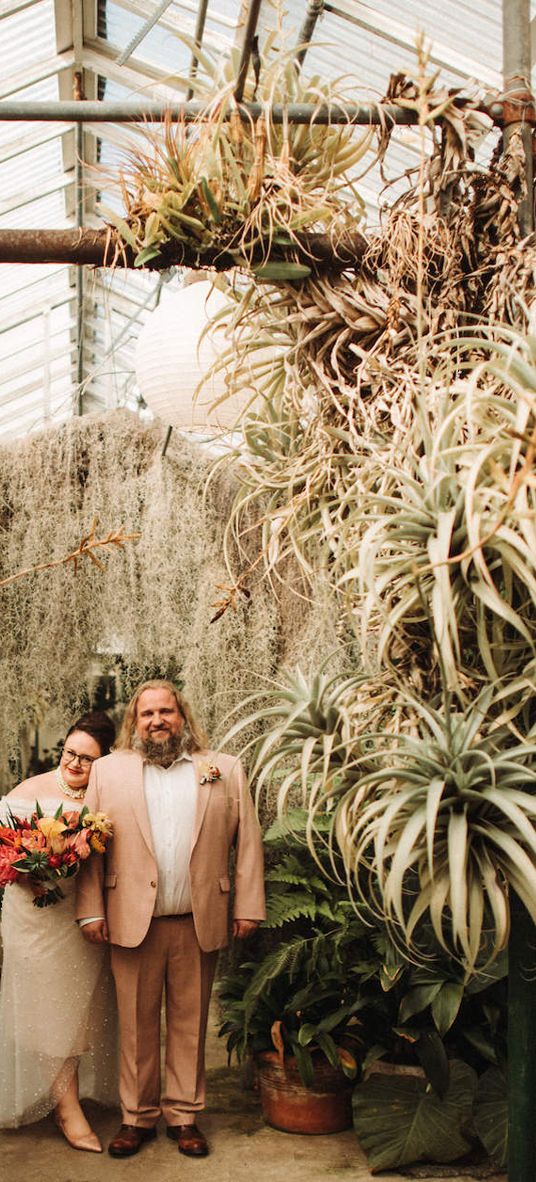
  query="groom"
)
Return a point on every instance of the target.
[{"x": 160, "y": 896}]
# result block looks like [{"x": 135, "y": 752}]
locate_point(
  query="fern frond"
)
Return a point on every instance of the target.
[
  {"x": 280, "y": 874},
  {"x": 281, "y": 909},
  {"x": 281, "y": 960}
]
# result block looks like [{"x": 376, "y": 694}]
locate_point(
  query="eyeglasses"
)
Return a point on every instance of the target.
[{"x": 68, "y": 757}]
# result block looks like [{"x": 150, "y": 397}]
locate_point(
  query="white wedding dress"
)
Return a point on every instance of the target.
[{"x": 57, "y": 1002}]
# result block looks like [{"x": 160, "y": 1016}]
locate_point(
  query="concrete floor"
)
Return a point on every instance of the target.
[{"x": 243, "y": 1148}]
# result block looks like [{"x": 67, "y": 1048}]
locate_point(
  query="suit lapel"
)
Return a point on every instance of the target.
[
  {"x": 203, "y": 792},
  {"x": 139, "y": 806}
]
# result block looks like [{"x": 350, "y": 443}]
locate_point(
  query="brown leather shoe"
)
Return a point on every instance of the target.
[
  {"x": 129, "y": 1140},
  {"x": 190, "y": 1140}
]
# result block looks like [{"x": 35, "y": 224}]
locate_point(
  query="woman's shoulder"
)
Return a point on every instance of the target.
[{"x": 34, "y": 786}]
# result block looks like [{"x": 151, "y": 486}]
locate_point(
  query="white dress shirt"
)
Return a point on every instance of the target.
[{"x": 171, "y": 798}]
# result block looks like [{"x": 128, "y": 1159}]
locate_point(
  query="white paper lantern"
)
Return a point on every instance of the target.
[{"x": 172, "y": 359}]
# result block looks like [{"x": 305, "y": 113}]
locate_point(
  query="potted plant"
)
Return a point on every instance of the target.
[
  {"x": 334, "y": 1019},
  {"x": 294, "y": 1004}
]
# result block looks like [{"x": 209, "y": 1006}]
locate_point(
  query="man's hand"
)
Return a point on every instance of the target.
[
  {"x": 242, "y": 928},
  {"x": 95, "y": 932}
]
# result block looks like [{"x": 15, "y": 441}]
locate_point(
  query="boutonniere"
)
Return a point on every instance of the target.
[{"x": 209, "y": 773}]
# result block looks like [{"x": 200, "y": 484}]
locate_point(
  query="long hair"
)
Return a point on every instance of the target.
[{"x": 194, "y": 735}]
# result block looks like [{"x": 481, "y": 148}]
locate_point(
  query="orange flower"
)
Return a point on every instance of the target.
[
  {"x": 79, "y": 843},
  {"x": 32, "y": 839},
  {"x": 53, "y": 830}
]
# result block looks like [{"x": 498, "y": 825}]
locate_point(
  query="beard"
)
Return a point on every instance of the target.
[{"x": 162, "y": 754}]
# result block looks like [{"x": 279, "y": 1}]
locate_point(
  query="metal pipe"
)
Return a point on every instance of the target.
[
  {"x": 314, "y": 10},
  {"x": 518, "y": 104},
  {"x": 102, "y": 248},
  {"x": 249, "y": 33},
  {"x": 140, "y": 110},
  {"x": 198, "y": 38},
  {"x": 79, "y": 190},
  {"x": 79, "y": 216}
]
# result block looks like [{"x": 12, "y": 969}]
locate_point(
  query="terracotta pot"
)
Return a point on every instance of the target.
[{"x": 288, "y": 1105}]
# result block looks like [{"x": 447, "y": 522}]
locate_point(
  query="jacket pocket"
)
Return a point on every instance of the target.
[
  {"x": 225, "y": 882},
  {"x": 110, "y": 880}
]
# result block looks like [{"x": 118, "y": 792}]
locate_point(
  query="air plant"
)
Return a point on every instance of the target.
[
  {"x": 449, "y": 536},
  {"x": 442, "y": 829},
  {"x": 229, "y": 185}
]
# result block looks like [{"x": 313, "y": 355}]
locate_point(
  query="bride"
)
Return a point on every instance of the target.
[{"x": 57, "y": 1008}]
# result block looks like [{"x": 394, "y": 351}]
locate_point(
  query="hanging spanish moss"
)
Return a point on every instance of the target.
[{"x": 151, "y": 607}]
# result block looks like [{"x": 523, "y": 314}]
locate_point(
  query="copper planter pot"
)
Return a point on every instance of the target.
[{"x": 288, "y": 1105}]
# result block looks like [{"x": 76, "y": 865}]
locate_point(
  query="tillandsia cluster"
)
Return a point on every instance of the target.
[
  {"x": 391, "y": 452},
  {"x": 229, "y": 185}
]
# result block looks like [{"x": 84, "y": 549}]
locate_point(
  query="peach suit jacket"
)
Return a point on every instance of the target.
[{"x": 122, "y": 883}]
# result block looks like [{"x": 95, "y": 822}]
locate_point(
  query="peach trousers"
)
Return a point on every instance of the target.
[{"x": 170, "y": 959}]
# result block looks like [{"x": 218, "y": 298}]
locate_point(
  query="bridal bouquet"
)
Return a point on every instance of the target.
[{"x": 47, "y": 849}]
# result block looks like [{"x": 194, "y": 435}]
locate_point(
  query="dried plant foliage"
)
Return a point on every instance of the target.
[
  {"x": 248, "y": 190},
  {"x": 152, "y": 604},
  {"x": 390, "y": 452}
]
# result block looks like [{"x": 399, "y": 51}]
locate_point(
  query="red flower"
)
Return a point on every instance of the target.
[
  {"x": 9, "y": 836},
  {"x": 7, "y": 856}
]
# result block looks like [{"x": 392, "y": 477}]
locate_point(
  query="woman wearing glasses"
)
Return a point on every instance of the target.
[{"x": 57, "y": 1016}]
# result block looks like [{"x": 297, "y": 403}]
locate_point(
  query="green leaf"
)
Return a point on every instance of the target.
[
  {"x": 490, "y": 1114},
  {"x": 399, "y": 1119},
  {"x": 329, "y": 1048},
  {"x": 417, "y": 1000},
  {"x": 120, "y": 224},
  {"x": 304, "y": 1062},
  {"x": 446, "y": 1004},
  {"x": 281, "y": 271},
  {"x": 306, "y": 1034},
  {"x": 144, "y": 256},
  {"x": 210, "y": 200},
  {"x": 433, "y": 1059}
]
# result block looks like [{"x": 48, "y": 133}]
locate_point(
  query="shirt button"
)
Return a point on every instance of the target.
[{"x": 153, "y": 884}]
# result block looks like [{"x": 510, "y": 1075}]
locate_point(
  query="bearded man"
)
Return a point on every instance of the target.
[{"x": 160, "y": 896}]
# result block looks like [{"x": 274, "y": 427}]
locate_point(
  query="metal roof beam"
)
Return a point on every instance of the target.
[
  {"x": 26, "y": 142},
  {"x": 171, "y": 21},
  {"x": 373, "y": 21},
  {"x": 11, "y": 7},
  {"x": 37, "y": 72},
  {"x": 41, "y": 189},
  {"x": 101, "y": 56}
]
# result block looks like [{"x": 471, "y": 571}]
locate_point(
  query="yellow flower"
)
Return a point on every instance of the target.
[
  {"x": 98, "y": 823},
  {"x": 53, "y": 831},
  {"x": 96, "y": 845}
]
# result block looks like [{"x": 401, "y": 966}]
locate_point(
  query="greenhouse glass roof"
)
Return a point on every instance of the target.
[{"x": 66, "y": 332}]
